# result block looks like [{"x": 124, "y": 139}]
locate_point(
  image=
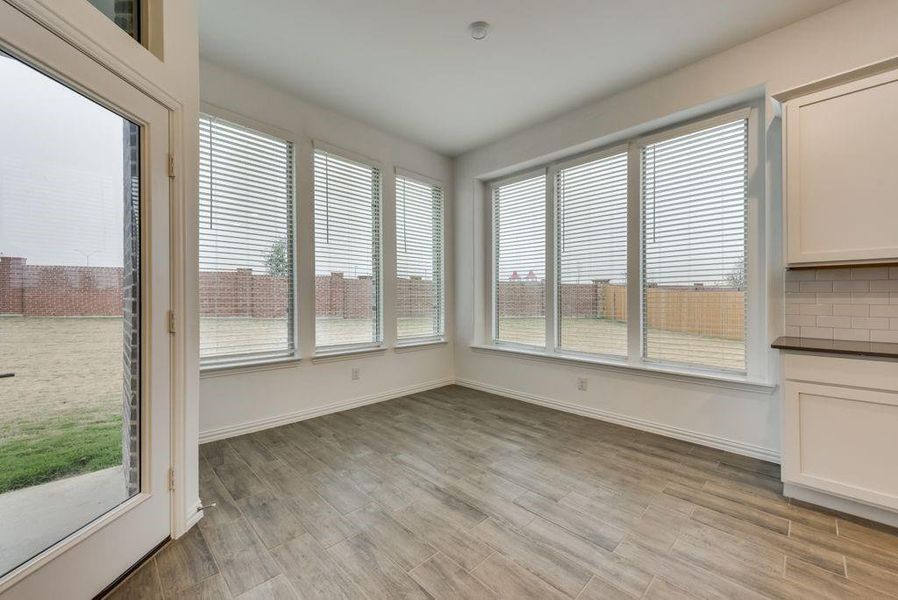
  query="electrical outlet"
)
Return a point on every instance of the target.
[
  {"x": 582, "y": 384},
  {"x": 355, "y": 374}
]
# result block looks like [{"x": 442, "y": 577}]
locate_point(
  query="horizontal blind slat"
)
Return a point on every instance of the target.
[
  {"x": 591, "y": 256},
  {"x": 246, "y": 243},
  {"x": 419, "y": 266},
  {"x": 694, "y": 215},
  {"x": 519, "y": 227},
  {"x": 347, "y": 251}
]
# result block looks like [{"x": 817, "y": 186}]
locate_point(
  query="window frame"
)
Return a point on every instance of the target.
[
  {"x": 554, "y": 169},
  {"x": 756, "y": 361},
  {"x": 434, "y": 183},
  {"x": 249, "y": 361},
  {"x": 641, "y": 143},
  {"x": 494, "y": 263},
  {"x": 378, "y": 263}
]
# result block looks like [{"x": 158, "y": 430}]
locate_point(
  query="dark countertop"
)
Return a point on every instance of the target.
[{"x": 878, "y": 349}]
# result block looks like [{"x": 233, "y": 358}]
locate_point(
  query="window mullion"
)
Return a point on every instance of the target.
[
  {"x": 551, "y": 275},
  {"x": 634, "y": 256}
]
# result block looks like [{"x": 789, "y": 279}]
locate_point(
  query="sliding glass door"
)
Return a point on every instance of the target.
[{"x": 84, "y": 291}]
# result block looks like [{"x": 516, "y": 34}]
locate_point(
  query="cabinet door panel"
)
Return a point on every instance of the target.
[
  {"x": 842, "y": 441},
  {"x": 842, "y": 190}
]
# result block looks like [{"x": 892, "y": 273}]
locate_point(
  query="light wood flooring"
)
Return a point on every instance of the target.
[{"x": 455, "y": 493}]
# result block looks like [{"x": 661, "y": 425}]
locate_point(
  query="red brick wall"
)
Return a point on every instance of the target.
[
  {"x": 521, "y": 298},
  {"x": 12, "y": 274},
  {"x": 240, "y": 293},
  {"x": 58, "y": 291},
  {"x": 414, "y": 298}
]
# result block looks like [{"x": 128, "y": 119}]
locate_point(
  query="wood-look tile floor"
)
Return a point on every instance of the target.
[{"x": 455, "y": 493}]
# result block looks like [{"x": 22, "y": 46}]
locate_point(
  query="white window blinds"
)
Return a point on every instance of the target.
[
  {"x": 419, "y": 259},
  {"x": 246, "y": 244},
  {"x": 347, "y": 251},
  {"x": 519, "y": 214},
  {"x": 591, "y": 255},
  {"x": 694, "y": 195}
]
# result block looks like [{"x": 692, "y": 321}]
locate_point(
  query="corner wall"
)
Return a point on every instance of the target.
[
  {"x": 235, "y": 402},
  {"x": 743, "y": 420}
]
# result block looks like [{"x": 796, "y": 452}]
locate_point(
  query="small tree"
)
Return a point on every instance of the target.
[
  {"x": 277, "y": 259},
  {"x": 736, "y": 278}
]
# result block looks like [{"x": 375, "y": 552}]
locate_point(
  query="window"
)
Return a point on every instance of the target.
[
  {"x": 419, "y": 259},
  {"x": 347, "y": 252},
  {"x": 246, "y": 244},
  {"x": 694, "y": 200},
  {"x": 659, "y": 227},
  {"x": 591, "y": 253},
  {"x": 124, "y": 13},
  {"x": 519, "y": 277}
]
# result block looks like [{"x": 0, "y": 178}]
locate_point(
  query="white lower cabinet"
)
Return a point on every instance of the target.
[{"x": 840, "y": 427}]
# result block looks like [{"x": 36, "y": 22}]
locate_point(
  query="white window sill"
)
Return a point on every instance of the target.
[
  {"x": 412, "y": 345},
  {"x": 328, "y": 355},
  {"x": 661, "y": 372},
  {"x": 248, "y": 366}
]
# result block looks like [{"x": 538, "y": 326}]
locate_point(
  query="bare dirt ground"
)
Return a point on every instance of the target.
[{"x": 62, "y": 366}]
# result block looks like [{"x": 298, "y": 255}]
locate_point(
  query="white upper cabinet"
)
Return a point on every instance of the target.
[{"x": 841, "y": 173}]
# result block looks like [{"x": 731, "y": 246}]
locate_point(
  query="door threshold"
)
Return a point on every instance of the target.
[{"x": 121, "y": 578}]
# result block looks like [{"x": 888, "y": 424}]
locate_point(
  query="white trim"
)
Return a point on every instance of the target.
[
  {"x": 67, "y": 543},
  {"x": 346, "y": 352},
  {"x": 519, "y": 176},
  {"x": 249, "y": 366},
  {"x": 635, "y": 349},
  {"x": 697, "y": 377},
  {"x": 591, "y": 156},
  {"x": 686, "y": 435},
  {"x": 838, "y": 503},
  {"x": 420, "y": 344},
  {"x": 221, "y": 433},
  {"x": 550, "y": 280},
  {"x": 424, "y": 179},
  {"x": 703, "y": 123},
  {"x": 348, "y": 155},
  {"x": 213, "y": 111}
]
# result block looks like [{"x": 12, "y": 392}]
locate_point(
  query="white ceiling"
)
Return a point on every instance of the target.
[{"x": 410, "y": 67}]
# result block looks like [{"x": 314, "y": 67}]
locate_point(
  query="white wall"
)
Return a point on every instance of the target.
[
  {"x": 844, "y": 38},
  {"x": 237, "y": 402}
]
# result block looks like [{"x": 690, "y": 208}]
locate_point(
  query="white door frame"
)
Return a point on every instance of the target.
[
  {"x": 72, "y": 21},
  {"x": 87, "y": 571}
]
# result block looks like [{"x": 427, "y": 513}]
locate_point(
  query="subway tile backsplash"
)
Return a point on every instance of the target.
[{"x": 843, "y": 303}]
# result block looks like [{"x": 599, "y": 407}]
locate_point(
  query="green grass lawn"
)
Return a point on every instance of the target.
[
  {"x": 70, "y": 445},
  {"x": 61, "y": 415}
]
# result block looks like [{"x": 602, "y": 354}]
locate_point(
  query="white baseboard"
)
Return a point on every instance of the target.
[
  {"x": 852, "y": 507},
  {"x": 703, "y": 439},
  {"x": 686, "y": 435},
  {"x": 221, "y": 433}
]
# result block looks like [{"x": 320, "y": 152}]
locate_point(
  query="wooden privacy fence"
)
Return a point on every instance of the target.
[{"x": 701, "y": 310}]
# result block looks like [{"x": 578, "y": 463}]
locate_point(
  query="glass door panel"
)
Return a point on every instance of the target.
[
  {"x": 70, "y": 273},
  {"x": 85, "y": 290}
]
